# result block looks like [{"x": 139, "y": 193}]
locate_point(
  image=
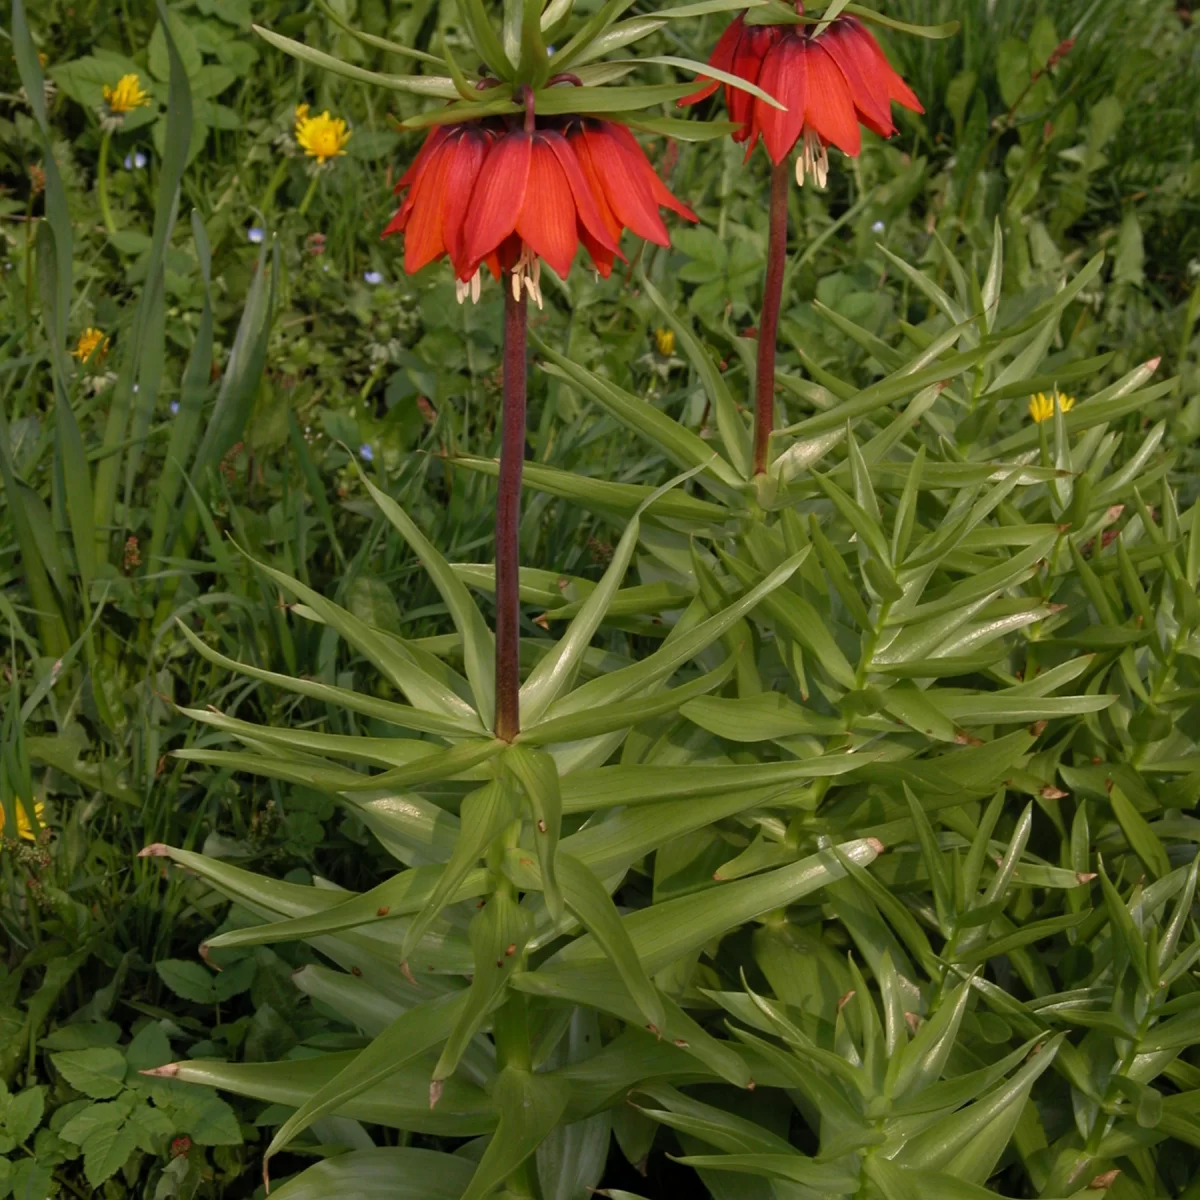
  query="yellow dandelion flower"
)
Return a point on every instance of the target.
[
  {"x": 664, "y": 339},
  {"x": 301, "y": 112},
  {"x": 24, "y": 825},
  {"x": 322, "y": 137},
  {"x": 1041, "y": 406},
  {"x": 126, "y": 96},
  {"x": 91, "y": 342}
]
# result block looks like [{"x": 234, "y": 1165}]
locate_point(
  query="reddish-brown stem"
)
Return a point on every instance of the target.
[
  {"x": 768, "y": 325},
  {"x": 508, "y": 519}
]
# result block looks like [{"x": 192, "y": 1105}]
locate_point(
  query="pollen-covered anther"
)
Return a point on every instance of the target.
[
  {"x": 527, "y": 274},
  {"x": 468, "y": 287},
  {"x": 813, "y": 160}
]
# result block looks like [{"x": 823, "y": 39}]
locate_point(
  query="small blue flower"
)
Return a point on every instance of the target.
[
  {"x": 255, "y": 234},
  {"x": 139, "y": 159},
  {"x": 878, "y": 227},
  {"x": 174, "y": 408},
  {"x": 366, "y": 453},
  {"x": 129, "y": 162},
  {"x": 373, "y": 277}
]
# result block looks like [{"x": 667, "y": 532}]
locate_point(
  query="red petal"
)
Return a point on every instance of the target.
[
  {"x": 547, "y": 220},
  {"x": 499, "y": 195},
  {"x": 611, "y": 173},
  {"x": 784, "y": 76},
  {"x": 748, "y": 61},
  {"x": 590, "y": 217},
  {"x": 867, "y": 87},
  {"x": 658, "y": 189},
  {"x": 830, "y": 109},
  {"x": 601, "y": 255},
  {"x": 897, "y": 89},
  {"x": 423, "y": 234},
  {"x": 468, "y": 154},
  {"x": 437, "y": 135},
  {"x": 721, "y": 58},
  {"x": 396, "y": 224}
]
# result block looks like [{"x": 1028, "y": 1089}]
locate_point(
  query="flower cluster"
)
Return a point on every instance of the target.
[
  {"x": 828, "y": 84},
  {"x": 509, "y": 196}
]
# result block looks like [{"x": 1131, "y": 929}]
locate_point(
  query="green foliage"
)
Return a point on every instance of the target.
[{"x": 866, "y": 785}]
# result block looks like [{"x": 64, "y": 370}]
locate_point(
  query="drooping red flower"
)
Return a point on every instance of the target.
[
  {"x": 829, "y": 85},
  {"x": 487, "y": 193}
]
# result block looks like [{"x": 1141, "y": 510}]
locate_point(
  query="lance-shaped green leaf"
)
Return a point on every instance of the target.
[
  {"x": 921, "y": 1063},
  {"x": 449, "y": 763},
  {"x": 537, "y": 774},
  {"x": 619, "y": 785},
  {"x": 530, "y": 1106},
  {"x": 800, "y": 620},
  {"x": 292, "y": 768},
  {"x": 479, "y": 646},
  {"x": 908, "y": 380},
  {"x": 969, "y": 1143},
  {"x": 369, "y": 39},
  {"x": 943, "y": 30},
  {"x": 629, "y": 681},
  {"x": 397, "y": 1095},
  {"x": 258, "y": 892},
  {"x": 382, "y": 752},
  {"x": 587, "y": 898},
  {"x": 619, "y": 35},
  {"x": 1142, "y": 839},
  {"x": 672, "y": 928},
  {"x": 625, "y": 713},
  {"x": 604, "y": 496},
  {"x": 485, "y": 813},
  {"x": 404, "y": 893},
  {"x": 382, "y": 1173},
  {"x": 821, "y": 1178},
  {"x": 421, "y": 85},
  {"x": 554, "y": 674},
  {"x": 498, "y": 937},
  {"x": 722, "y": 1129},
  {"x": 1125, "y": 932},
  {"x": 403, "y": 715},
  {"x": 683, "y": 447},
  {"x": 409, "y": 1036},
  {"x": 386, "y": 652},
  {"x": 767, "y": 716}
]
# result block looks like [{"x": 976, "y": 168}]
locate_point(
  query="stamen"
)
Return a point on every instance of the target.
[
  {"x": 813, "y": 160},
  {"x": 468, "y": 287},
  {"x": 528, "y": 273}
]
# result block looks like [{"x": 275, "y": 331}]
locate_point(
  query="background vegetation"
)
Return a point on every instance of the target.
[{"x": 275, "y": 343}]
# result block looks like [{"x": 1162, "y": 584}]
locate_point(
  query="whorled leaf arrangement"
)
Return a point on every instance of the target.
[{"x": 874, "y": 646}]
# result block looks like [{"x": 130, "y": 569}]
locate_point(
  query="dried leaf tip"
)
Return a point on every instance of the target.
[
  {"x": 166, "y": 1071},
  {"x": 155, "y": 850},
  {"x": 876, "y": 845},
  {"x": 436, "y": 1087}
]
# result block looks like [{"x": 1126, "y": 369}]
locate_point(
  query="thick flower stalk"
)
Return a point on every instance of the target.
[
  {"x": 508, "y": 194},
  {"x": 830, "y": 84}
]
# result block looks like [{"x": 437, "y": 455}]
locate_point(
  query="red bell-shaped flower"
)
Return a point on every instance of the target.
[
  {"x": 828, "y": 85},
  {"x": 511, "y": 196}
]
